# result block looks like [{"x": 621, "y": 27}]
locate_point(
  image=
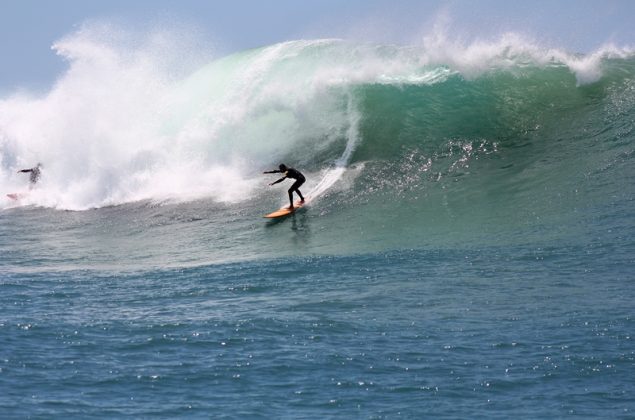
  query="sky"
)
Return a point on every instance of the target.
[{"x": 28, "y": 28}]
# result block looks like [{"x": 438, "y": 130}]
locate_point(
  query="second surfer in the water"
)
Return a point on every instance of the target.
[
  {"x": 35, "y": 174},
  {"x": 293, "y": 174}
]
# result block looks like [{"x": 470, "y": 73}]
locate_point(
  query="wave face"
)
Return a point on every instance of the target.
[{"x": 399, "y": 143}]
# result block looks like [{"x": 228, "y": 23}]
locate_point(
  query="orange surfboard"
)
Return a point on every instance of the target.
[{"x": 284, "y": 211}]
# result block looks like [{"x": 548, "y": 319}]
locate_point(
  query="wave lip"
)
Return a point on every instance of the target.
[{"x": 512, "y": 51}]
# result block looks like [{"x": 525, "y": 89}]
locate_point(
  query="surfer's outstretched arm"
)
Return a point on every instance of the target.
[
  {"x": 280, "y": 180},
  {"x": 275, "y": 171}
]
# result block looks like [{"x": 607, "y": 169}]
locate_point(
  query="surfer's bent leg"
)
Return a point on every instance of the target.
[
  {"x": 293, "y": 188},
  {"x": 290, "y": 199}
]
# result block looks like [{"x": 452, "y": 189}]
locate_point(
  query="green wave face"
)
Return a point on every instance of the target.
[
  {"x": 440, "y": 153},
  {"x": 522, "y": 148}
]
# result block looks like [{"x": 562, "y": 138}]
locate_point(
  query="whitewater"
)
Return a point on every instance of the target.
[{"x": 468, "y": 249}]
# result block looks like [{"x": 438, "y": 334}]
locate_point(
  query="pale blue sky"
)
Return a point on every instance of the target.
[{"x": 28, "y": 28}]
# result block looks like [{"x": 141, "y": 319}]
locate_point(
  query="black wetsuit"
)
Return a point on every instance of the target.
[
  {"x": 293, "y": 174},
  {"x": 35, "y": 174}
]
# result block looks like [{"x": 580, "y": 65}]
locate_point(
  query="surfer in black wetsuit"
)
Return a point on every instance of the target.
[
  {"x": 293, "y": 174},
  {"x": 35, "y": 174}
]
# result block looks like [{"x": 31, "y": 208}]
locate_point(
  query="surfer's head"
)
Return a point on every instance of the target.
[{"x": 282, "y": 167}]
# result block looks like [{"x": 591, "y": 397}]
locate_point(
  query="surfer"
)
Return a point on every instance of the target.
[
  {"x": 35, "y": 174},
  {"x": 293, "y": 174}
]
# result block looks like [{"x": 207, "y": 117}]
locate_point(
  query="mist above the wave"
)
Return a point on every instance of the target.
[{"x": 99, "y": 130}]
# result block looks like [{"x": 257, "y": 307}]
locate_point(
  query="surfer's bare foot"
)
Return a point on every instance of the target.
[{"x": 290, "y": 208}]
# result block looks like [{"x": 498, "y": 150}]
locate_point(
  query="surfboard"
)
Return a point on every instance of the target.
[
  {"x": 284, "y": 211},
  {"x": 15, "y": 196}
]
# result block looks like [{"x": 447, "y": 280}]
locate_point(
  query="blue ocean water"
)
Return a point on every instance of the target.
[
  {"x": 440, "y": 333},
  {"x": 468, "y": 248}
]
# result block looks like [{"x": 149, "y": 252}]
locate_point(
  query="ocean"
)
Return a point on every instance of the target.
[{"x": 468, "y": 249}]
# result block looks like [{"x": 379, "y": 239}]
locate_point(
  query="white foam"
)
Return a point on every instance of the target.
[
  {"x": 332, "y": 175},
  {"x": 113, "y": 128}
]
